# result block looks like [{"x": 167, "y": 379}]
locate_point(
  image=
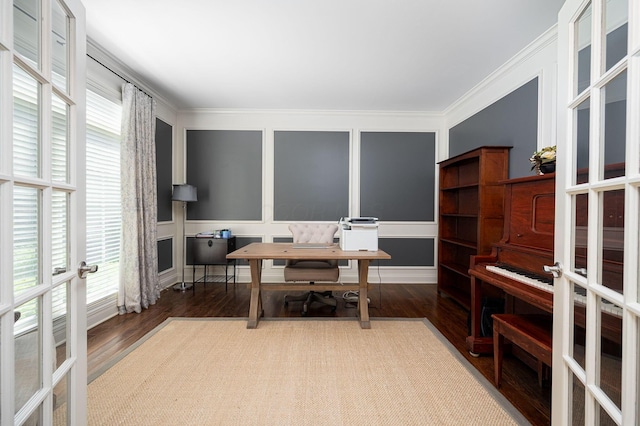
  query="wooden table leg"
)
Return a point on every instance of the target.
[
  {"x": 255, "y": 304},
  {"x": 363, "y": 304}
]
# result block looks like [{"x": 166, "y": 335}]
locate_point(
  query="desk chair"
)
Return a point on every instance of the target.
[{"x": 312, "y": 270}]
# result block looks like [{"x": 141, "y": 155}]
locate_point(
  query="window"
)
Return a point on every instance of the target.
[{"x": 103, "y": 200}]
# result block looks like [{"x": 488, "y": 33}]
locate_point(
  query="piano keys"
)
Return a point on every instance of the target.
[
  {"x": 546, "y": 284},
  {"x": 580, "y": 298},
  {"x": 521, "y": 275}
]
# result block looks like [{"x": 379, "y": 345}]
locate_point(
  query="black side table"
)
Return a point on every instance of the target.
[{"x": 213, "y": 252}]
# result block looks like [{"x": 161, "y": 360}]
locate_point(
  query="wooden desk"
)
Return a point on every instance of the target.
[{"x": 255, "y": 253}]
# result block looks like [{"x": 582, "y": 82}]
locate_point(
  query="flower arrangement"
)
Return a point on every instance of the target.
[{"x": 544, "y": 156}]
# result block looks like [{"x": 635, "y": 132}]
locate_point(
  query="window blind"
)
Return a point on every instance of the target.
[{"x": 103, "y": 200}]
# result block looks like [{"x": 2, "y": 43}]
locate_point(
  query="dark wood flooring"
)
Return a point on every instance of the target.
[{"x": 519, "y": 382}]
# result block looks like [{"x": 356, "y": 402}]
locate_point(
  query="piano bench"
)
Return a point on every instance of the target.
[{"x": 532, "y": 333}]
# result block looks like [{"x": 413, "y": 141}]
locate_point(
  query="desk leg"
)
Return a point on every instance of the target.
[
  {"x": 363, "y": 304},
  {"x": 255, "y": 305}
]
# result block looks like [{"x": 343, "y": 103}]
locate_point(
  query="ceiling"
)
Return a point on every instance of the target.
[{"x": 382, "y": 55}]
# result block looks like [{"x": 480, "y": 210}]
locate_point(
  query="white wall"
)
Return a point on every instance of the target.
[
  {"x": 270, "y": 121},
  {"x": 537, "y": 60}
]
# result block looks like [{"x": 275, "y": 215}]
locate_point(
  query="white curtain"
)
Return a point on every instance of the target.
[{"x": 139, "y": 284}]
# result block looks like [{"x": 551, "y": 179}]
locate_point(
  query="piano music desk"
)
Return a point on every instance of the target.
[{"x": 532, "y": 333}]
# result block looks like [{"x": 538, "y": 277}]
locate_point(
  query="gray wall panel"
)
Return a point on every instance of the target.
[
  {"x": 408, "y": 251},
  {"x": 164, "y": 160},
  {"x": 510, "y": 121},
  {"x": 397, "y": 175},
  {"x": 165, "y": 254},
  {"x": 226, "y": 167},
  {"x": 245, "y": 241},
  {"x": 311, "y": 177}
]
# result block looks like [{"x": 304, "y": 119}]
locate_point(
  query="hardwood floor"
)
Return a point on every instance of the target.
[{"x": 519, "y": 382}]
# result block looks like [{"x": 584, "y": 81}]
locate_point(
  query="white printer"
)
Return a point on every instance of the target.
[{"x": 359, "y": 233}]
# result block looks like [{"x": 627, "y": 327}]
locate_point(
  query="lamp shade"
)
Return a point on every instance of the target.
[{"x": 184, "y": 192}]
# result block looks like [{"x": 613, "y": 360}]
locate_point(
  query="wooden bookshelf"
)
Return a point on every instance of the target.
[{"x": 471, "y": 214}]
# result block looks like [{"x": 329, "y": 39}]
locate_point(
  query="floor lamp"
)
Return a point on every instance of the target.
[{"x": 186, "y": 194}]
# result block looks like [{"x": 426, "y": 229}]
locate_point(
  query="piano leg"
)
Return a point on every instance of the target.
[{"x": 476, "y": 344}]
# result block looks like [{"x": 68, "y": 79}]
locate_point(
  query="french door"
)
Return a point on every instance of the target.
[
  {"x": 42, "y": 298},
  {"x": 596, "y": 309}
]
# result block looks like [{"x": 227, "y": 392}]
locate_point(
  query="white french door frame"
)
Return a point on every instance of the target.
[
  {"x": 72, "y": 370},
  {"x": 565, "y": 367}
]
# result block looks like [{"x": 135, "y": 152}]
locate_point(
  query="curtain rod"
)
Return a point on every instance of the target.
[{"x": 118, "y": 75}]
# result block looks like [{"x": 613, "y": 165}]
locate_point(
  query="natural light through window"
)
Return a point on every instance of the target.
[{"x": 103, "y": 196}]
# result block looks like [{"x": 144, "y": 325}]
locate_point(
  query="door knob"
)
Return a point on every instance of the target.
[
  {"x": 84, "y": 269},
  {"x": 555, "y": 270}
]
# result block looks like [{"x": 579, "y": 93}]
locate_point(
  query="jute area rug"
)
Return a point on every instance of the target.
[{"x": 295, "y": 372}]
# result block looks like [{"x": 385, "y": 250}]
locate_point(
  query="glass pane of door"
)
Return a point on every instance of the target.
[
  {"x": 59, "y": 140},
  {"x": 26, "y": 29},
  {"x": 614, "y": 126},
  {"x": 583, "y": 51},
  {"x": 617, "y": 16},
  {"x": 60, "y": 46},
  {"x": 611, "y": 259},
  {"x": 579, "y": 304},
  {"x": 26, "y": 124},
  {"x": 610, "y": 368},
  {"x": 581, "y": 223},
  {"x": 26, "y": 238},
  {"x": 60, "y": 232},
  {"x": 28, "y": 351},
  {"x": 577, "y": 399},
  {"x": 61, "y": 321},
  {"x": 583, "y": 119}
]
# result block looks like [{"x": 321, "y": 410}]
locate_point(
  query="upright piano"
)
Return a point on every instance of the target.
[{"x": 516, "y": 263}]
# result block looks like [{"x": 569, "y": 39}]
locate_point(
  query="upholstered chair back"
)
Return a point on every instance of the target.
[
  {"x": 313, "y": 232},
  {"x": 312, "y": 270}
]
